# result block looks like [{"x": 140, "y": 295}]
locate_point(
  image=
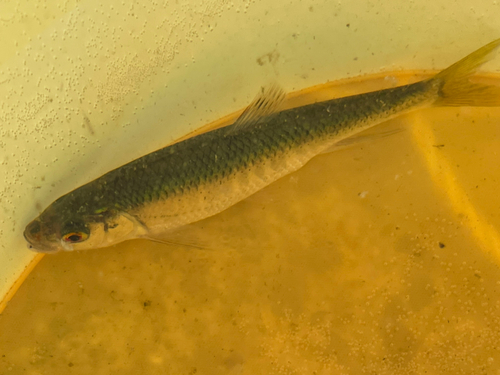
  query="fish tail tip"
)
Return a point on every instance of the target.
[{"x": 455, "y": 87}]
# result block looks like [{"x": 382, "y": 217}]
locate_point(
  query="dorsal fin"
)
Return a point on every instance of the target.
[{"x": 265, "y": 104}]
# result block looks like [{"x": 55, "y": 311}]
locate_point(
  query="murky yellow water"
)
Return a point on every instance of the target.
[{"x": 376, "y": 259}]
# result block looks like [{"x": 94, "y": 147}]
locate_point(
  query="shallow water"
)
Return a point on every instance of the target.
[{"x": 378, "y": 258}]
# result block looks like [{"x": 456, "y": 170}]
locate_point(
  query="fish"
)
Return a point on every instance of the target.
[{"x": 204, "y": 175}]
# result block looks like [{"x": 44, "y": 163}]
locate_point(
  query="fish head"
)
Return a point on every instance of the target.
[
  {"x": 68, "y": 226},
  {"x": 46, "y": 235}
]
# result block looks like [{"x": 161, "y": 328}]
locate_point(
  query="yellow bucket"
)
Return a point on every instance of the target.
[{"x": 379, "y": 258}]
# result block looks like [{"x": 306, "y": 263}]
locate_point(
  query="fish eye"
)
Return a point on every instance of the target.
[{"x": 74, "y": 237}]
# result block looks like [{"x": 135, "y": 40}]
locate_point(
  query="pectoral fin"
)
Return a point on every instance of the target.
[{"x": 191, "y": 235}]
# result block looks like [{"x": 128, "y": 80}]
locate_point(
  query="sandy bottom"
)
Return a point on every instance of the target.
[{"x": 377, "y": 259}]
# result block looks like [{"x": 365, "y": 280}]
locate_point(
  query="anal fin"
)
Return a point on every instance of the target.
[{"x": 361, "y": 138}]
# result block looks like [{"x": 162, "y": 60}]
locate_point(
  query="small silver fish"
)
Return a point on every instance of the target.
[{"x": 203, "y": 175}]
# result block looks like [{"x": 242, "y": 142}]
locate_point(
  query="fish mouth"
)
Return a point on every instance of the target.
[{"x": 34, "y": 236}]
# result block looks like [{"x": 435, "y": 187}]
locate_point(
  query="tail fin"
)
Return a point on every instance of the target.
[{"x": 456, "y": 89}]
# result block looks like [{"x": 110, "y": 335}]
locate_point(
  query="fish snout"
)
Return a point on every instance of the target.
[{"x": 33, "y": 233}]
